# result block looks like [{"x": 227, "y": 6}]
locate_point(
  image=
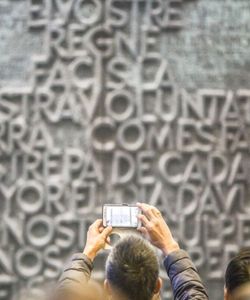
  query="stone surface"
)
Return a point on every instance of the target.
[{"x": 117, "y": 101}]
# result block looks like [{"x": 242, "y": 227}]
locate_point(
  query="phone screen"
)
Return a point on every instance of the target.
[{"x": 120, "y": 216}]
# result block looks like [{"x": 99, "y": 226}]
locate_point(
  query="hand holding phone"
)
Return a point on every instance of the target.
[
  {"x": 97, "y": 237},
  {"x": 156, "y": 230}
]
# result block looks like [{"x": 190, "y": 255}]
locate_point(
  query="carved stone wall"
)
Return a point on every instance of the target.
[{"x": 118, "y": 101}]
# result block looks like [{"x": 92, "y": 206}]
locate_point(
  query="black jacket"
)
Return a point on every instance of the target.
[{"x": 185, "y": 281}]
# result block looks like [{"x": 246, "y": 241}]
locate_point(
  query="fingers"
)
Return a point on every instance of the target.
[
  {"x": 143, "y": 230},
  {"x": 96, "y": 224},
  {"x": 149, "y": 210},
  {"x": 144, "y": 220},
  {"x": 106, "y": 232},
  {"x": 108, "y": 240}
]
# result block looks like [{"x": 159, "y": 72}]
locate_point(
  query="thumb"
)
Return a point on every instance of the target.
[{"x": 106, "y": 232}]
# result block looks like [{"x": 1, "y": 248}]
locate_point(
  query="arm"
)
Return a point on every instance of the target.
[
  {"x": 78, "y": 270},
  {"x": 185, "y": 281},
  {"x": 80, "y": 266}
]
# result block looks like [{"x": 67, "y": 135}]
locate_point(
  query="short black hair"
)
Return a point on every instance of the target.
[
  {"x": 132, "y": 268},
  {"x": 238, "y": 270}
]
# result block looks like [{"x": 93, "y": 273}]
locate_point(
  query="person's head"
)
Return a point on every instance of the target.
[
  {"x": 132, "y": 270},
  {"x": 237, "y": 277}
]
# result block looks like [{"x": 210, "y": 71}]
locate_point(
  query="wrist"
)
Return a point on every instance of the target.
[
  {"x": 169, "y": 248},
  {"x": 90, "y": 253}
]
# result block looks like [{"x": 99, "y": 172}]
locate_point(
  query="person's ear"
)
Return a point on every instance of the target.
[
  {"x": 158, "y": 286},
  {"x": 106, "y": 286},
  {"x": 226, "y": 297}
]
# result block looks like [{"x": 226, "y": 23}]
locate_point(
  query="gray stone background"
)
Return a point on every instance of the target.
[{"x": 93, "y": 110}]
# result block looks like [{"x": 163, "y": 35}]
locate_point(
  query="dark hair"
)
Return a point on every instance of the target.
[
  {"x": 238, "y": 270},
  {"x": 132, "y": 268}
]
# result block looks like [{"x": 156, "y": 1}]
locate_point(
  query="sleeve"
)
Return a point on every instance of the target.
[
  {"x": 185, "y": 280},
  {"x": 78, "y": 270}
]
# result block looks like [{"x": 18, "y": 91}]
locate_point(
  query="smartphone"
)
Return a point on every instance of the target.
[{"x": 121, "y": 216}]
